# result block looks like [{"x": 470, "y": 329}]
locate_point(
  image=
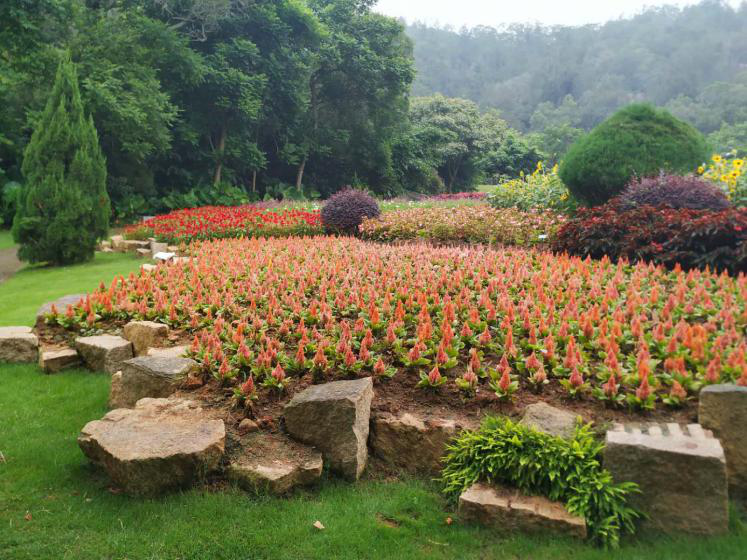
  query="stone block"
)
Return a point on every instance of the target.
[
  {"x": 334, "y": 417},
  {"x": 723, "y": 409},
  {"x": 18, "y": 345},
  {"x": 104, "y": 352},
  {"x": 681, "y": 473},
  {"x": 150, "y": 377},
  {"x": 52, "y": 360},
  {"x": 142, "y": 253},
  {"x": 510, "y": 511},
  {"x": 412, "y": 442},
  {"x": 156, "y": 247},
  {"x": 274, "y": 464},
  {"x": 160, "y": 445},
  {"x": 550, "y": 420},
  {"x": 170, "y": 352},
  {"x": 145, "y": 335}
]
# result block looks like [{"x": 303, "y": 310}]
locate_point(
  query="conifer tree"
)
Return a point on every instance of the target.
[{"x": 63, "y": 207}]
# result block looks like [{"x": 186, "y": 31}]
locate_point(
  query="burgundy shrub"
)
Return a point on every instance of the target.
[{"x": 674, "y": 191}]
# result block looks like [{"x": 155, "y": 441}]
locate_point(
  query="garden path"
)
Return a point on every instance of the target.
[{"x": 9, "y": 263}]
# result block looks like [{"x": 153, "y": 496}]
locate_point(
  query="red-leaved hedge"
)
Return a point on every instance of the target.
[{"x": 692, "y": 238}]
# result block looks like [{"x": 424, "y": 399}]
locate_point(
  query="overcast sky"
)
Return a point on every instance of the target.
[{"x": 495, "y": 13}]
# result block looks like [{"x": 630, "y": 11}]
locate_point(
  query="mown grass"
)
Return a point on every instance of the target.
[
  {"x": 6, "y": 239},
  {"x": 21, "y": 295},
  {"x": 53, "y": 505}
]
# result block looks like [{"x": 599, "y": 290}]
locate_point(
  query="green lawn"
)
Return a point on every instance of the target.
[
  {"x": 6, "y": 239},
  {"x": 54, "y": 505},
  {"x": 21, "y": 295}
]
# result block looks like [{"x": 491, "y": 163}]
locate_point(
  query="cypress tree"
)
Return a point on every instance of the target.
[{"x": 63, "y": 208}]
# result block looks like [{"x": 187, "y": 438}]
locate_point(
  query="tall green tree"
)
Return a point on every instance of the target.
[{"x": 64, "y": 208}]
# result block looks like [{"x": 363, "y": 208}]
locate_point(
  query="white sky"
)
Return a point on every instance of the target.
[{"x": 496, "y": 13}]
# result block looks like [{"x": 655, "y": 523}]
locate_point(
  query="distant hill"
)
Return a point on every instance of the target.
[{"x": 692, "y": 60}]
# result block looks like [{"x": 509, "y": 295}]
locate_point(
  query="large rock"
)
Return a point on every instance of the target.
[
  {"x": 334, "y": 417},
  {"x": 53, "y": 360},
  {"x": 18, "y": 345},
  {"x": 160, "y": 445},
  {"x": 132, "y": 245},
  {"x": 681, "y": 473},
  {"x": 550, "y": 420},
  {"x": 411, "y": 442},
  {"x": 156, "y": 247},
  {"x": 145, "y": 335},
  {"x": 723, "y": 409},
  {"x": 511, "y": 511},
  {"x": 169, "y": 352},
  {"x": 60, "y": 304},
  {"x": 274, "y": 464},
  {"x": 149, "y": 377},
  {"x": 117, "y": 243},
  {"x": 104, "y": 352}
]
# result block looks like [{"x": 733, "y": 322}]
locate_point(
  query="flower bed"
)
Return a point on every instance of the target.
[
  {"x": 688, "y": 238},
  {"x": 475, "y": 224},
  {"x": 459, "y": 196},
  {"x": 211, "y": 222},
  {"x": 450, "y": 324}
]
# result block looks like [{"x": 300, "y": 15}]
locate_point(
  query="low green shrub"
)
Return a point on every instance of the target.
[
  {"x": 637, "y": 141},
  {"x": 566, "y": 470}
]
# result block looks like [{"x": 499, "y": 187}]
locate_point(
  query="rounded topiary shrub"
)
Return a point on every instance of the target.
[
  {"x": 345, "y": 211},
  {"x": 637, "y": 141},
  {"x": 674, "y": 191}
]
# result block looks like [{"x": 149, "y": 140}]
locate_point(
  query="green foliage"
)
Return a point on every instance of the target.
[
  {"x": 547, "y": 76},
  {"x": 567, "y": 470},
  {"x": 730, "y": 139},
  {"x": 9, "y": 202},
  {"x": 63, "y": 208},
  {"x": 637, "y": 141},
  {"x": 540, "y": 190},
  {"x": 464, "y": 146}
]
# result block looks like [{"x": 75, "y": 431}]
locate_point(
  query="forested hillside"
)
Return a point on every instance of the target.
[{"x": 692, "y": 61}]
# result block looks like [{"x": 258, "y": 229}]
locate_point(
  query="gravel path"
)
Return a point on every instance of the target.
[{"x": 9, "y": 263}]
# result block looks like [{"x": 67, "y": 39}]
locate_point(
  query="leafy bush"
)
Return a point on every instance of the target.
[
  {"x": 464, "y": 224},
  {"x": 637, "y": 141},
  {"x": 567, "y": 470},
  {"x": 728, "y": 173},
  {"x": 674, "y": 191},
  {"x": 9, "y": 202},
  {"x": 64, "y": 208},
  {"x": 347, "y": 209},
  {"x": 692, "y": 238},
  {"x": 541, "y": 190}
]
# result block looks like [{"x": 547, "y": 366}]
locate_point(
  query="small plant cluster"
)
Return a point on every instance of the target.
[
  {"x": 729, "y": 174},
  {"x": 475, "y": 224},
  {"x": 216, "y": 222},
  {"x": 344, "y": 211},
  {"x": 674, "y": 191},
  {"x": 671, "y": 237},
  {"x": 540, "y": 190},
  {"x": 468, "y": 319},
  {"x": 567, "y": 470}
]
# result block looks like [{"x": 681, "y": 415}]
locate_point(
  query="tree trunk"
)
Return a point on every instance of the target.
[
  {"x": 299, "y": 176},
  {"x": 254, "y": 181},
  {"x": 221, "y": 149}
]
